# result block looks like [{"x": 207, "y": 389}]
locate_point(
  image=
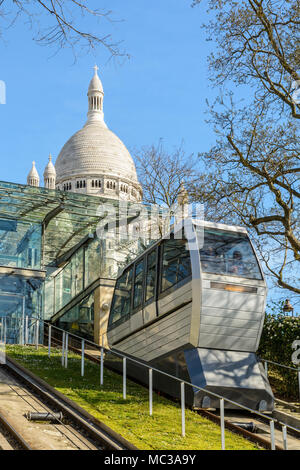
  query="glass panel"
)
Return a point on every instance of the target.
[
  {"x": 122, "y": 297},
  {"x": 69, "y": 282},
  {"x": 48, "y": 298},
  {"x": 80, "y": 319},
  {"x": 79, "y": 271},
  {"x": 20, "y": 244},
  {"x": 66, "y": 284},
  {"x": 176, "y": 263},
  {"x": 228, "y": 253},
  {"x": 151, "y": 275},
  {"x": 138, "y": 285},
  {"x": 92, "y": 262},
  {"x": 58, "y": 291}
]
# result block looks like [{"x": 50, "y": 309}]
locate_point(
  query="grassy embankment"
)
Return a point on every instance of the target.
[{"x": 128, "y": 417}]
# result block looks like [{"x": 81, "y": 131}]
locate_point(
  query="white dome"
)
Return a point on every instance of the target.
[
  {"x": 94, "y": 150},
  {"x": 94, "y": 155}
]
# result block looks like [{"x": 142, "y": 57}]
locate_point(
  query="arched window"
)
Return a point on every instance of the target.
[
  {"x": 107, "y": 184},
  {"x": 84, "y": 183},
  {"x": 99, "y": 182}
]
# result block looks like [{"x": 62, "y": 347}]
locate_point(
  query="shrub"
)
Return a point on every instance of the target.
[{"x": 279, "y": 333}]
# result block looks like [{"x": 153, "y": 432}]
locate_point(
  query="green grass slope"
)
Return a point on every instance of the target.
[{"x": 129, "y": 417}]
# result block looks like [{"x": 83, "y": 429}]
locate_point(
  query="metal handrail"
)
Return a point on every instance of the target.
[
  {"x": 183, "y": 382},
  {"x": 278, "y": 364}
]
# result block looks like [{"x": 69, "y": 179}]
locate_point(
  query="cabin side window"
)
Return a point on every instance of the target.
[
  {"x": 150, "y": 276},
  {"x": 122, "y": 297},
  {"x": 138, "y": 285},
  {"x": 176, "y": 263}
]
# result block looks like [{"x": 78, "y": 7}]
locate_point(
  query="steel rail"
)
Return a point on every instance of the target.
[{"x": 14, "y": 433}]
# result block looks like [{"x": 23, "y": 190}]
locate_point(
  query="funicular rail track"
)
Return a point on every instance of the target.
[
  {"x": 261, "y": 436},
  {"x": 88, "y": 432}
]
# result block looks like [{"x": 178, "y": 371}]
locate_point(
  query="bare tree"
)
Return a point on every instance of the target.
[
  {"x": 58, "y": 23},
  {"x": 258, "y": 44},
  {"x": 162, "y": 173},
  {"x": 253, "y": 170}
]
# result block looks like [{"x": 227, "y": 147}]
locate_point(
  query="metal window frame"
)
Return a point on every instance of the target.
[
  {"x": 154, "y": 296},
  {"x": 139, "y": 307}
]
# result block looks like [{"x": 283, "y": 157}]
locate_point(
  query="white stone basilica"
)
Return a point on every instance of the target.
[{"x": 93, "y": 161}]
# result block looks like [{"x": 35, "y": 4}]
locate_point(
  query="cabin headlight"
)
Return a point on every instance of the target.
[
  {"x": 206, "y": 402},
  {"x": 262, "y": 406}
]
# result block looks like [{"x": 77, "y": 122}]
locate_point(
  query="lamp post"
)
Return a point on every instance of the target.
[{"x": 288, "y": 307}]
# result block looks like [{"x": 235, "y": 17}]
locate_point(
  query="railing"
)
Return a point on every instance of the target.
[
  {"x": 32, "y": 337},
  {"x": 19, "y": 330},
  {"x": 277, "y": 364}
]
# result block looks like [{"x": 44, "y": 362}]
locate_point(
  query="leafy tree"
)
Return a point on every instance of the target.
[{"x": 253, "y": 170}]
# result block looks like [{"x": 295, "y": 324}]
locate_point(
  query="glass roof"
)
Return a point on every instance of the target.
[{"x": 67, "y": 217}]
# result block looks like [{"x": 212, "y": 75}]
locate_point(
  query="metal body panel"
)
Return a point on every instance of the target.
[
  {"x": 150, "y": 313},
  {"x": 230, "y": 343},
  {"x": 136, "y": 321},
  {"x": 232, "y": 300},
  {"x": 177, "y": 297}
]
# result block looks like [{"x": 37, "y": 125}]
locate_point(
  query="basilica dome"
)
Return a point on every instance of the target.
[
  {"x": 94, "y": 150},
  {"x": 94, "y": 160}
]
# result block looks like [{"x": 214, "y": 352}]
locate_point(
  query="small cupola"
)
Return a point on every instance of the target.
[
  {"x": 50, "y": 174},
  {"x": 33, "y": 178}
]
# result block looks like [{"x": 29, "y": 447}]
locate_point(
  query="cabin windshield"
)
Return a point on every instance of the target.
[{"x": 228, "y": 253}]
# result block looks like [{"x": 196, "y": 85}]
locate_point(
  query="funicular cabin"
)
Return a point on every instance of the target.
[{"x": 193, "y": 305}]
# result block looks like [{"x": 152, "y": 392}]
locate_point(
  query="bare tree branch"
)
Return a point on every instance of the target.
[{"x": 58, "y": 23}]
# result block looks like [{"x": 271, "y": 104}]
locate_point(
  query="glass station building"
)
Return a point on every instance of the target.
[{"x": 52, "y": 263}]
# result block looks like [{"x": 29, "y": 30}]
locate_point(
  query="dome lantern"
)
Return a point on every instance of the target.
[{"x": 95, "y": 98}]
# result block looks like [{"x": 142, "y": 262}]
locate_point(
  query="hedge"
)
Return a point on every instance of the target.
[{"x": 279, "y": 333}]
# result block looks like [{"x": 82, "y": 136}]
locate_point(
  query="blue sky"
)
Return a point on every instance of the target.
[{"x": 159, "y": 92}]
